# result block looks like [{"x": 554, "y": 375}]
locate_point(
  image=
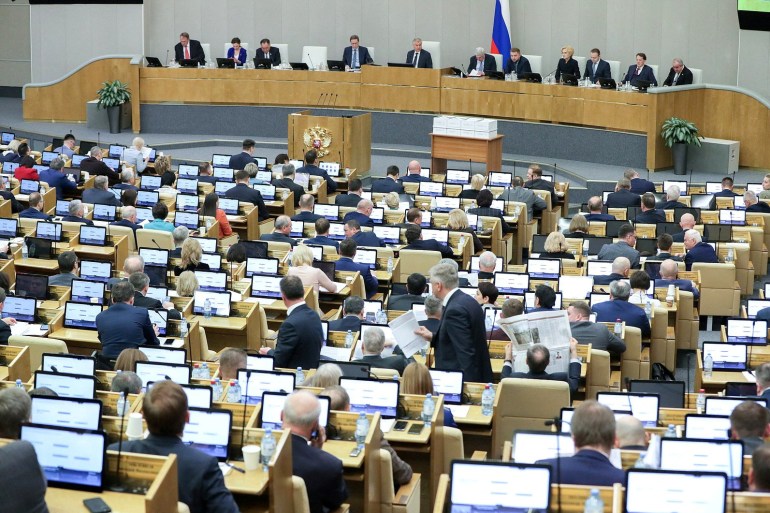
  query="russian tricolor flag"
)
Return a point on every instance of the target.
[{"x": 501, "y": 29}]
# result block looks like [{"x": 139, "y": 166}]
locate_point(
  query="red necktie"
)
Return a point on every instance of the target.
[{"x": 186, "y": 52}]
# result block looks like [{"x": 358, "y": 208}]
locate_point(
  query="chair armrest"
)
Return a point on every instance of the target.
[
  {"x": 479, "y": 455},
  {"x": 405, "y": 492},
  {"x": 344, "y": 508}
]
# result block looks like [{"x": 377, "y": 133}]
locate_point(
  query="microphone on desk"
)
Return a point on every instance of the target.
[
  {"x": 168, "y": 377},
  {"x": 311, "y": 61},
  {"x": 335, "y": 104},
  {"x": 556, "y": 421},
  {"x": 623, "y": 78},
  {"x": 156, "y": 243},
  {"x": 53, "y": 368},
  {"x": 166, "y": 57},
  {"x": 318, "y": 102},
  {"x": 245, "y": 401},
  {"x": 117, "y": 487}
]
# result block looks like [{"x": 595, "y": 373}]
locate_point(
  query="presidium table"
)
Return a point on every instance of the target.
[{"x": 719, "y": 111}]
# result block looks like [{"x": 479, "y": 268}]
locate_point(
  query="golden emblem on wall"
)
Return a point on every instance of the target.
[{"x": 319, "y": 139}]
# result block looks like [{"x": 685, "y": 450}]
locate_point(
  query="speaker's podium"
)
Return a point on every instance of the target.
[{"x": 343, "y": 139}]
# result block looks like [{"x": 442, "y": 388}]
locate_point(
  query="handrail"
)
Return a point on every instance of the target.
[
  {"x": 135, "y": 59},
  {"x": 717, "y": 87}
]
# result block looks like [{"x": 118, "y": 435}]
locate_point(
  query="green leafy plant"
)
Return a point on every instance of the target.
[
  {"x": 113, "y": 94},
  {"x": 677, "y": 130}
]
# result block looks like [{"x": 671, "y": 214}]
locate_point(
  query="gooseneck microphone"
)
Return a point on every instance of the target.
[
  {"x": 311, "y": 60},
  {"x": 118, "y": 487},
  {"x": 556, "y": 421}
]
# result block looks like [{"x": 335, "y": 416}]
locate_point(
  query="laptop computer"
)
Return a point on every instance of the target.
[
  {"x": 69, "y": 412},
  {"x": 335, "y": 65},
  {"x": 159, "y": 319},
  {"x": 697, "y": 454},
  {"x": 212, "y": 281},
  {"x": 95, "y": 270},
  {"x": 81, "y": 315},
  {"x": 710, "y": 427},
  {"x": 255, "y": 382},
  {"x": 371, "y": 396},
  {"x": 260, "y": 362},
  {"x": 746, "y": 331},
  {"x": 727, "y": 356},
  {"x": 86, "y": 291},
  {"x": 531, "y": 446},
  {"x": 165, "y": 354},
  {"x": 512, "y": 283},
  {"x": 158, "y": 371},
  {"x": 272, "y": 406},
  {"x": 69, "y": 363},
  {"x": 19, "y": 308},
  {"x": 39, "y": 248},
  {"x": 220, "y": 303},
  {"x": 158, "y": 275},
  {"x": 652, "y": 490},
  {"x": 208, "y": 430},
  {"x": 67, "y": 385},
  {"x": 32, "y": 285},
  {"x": 225, "y": 63},
  {"x": 105, "y": 212},
  {"x": 153, "y": 62},
  {"x": 450, "y": 383},
  {"x": 266, "y": 286},
  {"x": 725, "y": 405},
  {"x": 671, "y": 393},
  {"x": 93, "y": 235},
  {"x": 263, "y": 266},
  {"x": 499, "y": 486},
  {"x": 643, "y": 406}
]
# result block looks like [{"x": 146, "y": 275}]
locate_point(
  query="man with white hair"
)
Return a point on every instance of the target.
[
  {"x": 672, "y": 199},
  {"x": 322, "y": 472},
  {"x": 487, "y": 263},
  {"x": 99, "y": 194},
  {"x": 94, "y": 166},
  {"x": 281, "y": 231},
  {"x": 127, "y": 180},
  {"x": 618, "y": 307},
  {"x": 374, "y": 343},
  {"x": 668, "y": 276},
  {"x": 362, "y": 214},
  {"x": 134, "y": 157},
  {"x": 54, "y": 177},
  {"x": 753, "y": 204},
  {"x": 481, "y": 62},
  {"x": 697, "y": 250},
  {"x": 128, "y": 219},
  {"x": 418, "y": 57},
  {"x": 679, "y": 74},
  {"x": 76, "y": 212},
  {"x": 638, "y": 185}
]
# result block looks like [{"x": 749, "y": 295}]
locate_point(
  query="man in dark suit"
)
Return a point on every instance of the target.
[
  {"x": 517, "y": 192},
  {"x": 141, "y": 284},
  {"x": 188, "y": 49},
  {"x": 672, "y": 199},
  {"x": 242, "y": 191},
  {"x": 310, "y": 168},
  {"x": 352, "y": 315},
  {"x": 281, "y": 231},
  {"x": 305, "y": 214},
  {"x": 240, "y": 160},
  {"x": 517, "y": 63},
  {"x": 753, "y": 204},
  {"x": 124, "y": 326},
  {"x": 353, "y": 196},
  {"x": 355, "y": 55},
  {"x": 593, "y": 433},
  {"x": 389, "y": 183},
  {"x": 413, "y": 173},
  {"x": 697, "y": 250},
  {"x": 95, "y": 166},
  {"x": 23, "y": 484},
  {"x": 538, "y": 358},
  {"x": 99, "y": 193},
  {"x": 5, "y": 194},
  {"x": 128, "y": 219},
  {"x": 623, "y": 197},
  {"x": 595, "y": 207},
  {"x": 649, "y": 214},
  {"x": 664, "y": 242},
  {"x": 669, "y": 270},
  {"x": 640, "y": 71},
  {"x": 369, "y": 239},
  {"x": 76, "y": 213},
  {"x": 726, "y": 192},
  {"x": 418, "y": 57},
  {"x": 200, "y": 482},
  {"x": 618, "y": 307},
  {"x": 587, "y": 332},
  {"x": 621, "y": 266},
  {"x": 481, "y": 62},
  {"x": 638, "y": 184},
  {"x": 762, "y": 374},
  {"x": 679, "y": 74},
  {"x": 597, "y": 68},
  {"x": 54, "y": 177},
  {"x": 373, "y": 344},
  {"x": 415, "y": 241},
  {"x": 362, "y": 214},
  {"x": 268, "y": 52},
  {"x": 301, "y": 335},
  {"x": 686, "y": 222},
  {"x": 433, "y": 311},
  {"x": 321, "y": 471},
  {"x": 127, "y": 180},
  {"x": 415, "y": 287},
  {"x": 484, "y": 201},
  {"x": 287, "y": 182},
  {"x": 460, "y": 343},
  {"x": 206, "y": 173},
  {"x": 68, "y": 270},
  {"x": 348, "y": 249},
  {"x": 535, "y": 181},
  {"x": 322, "y": 235}
]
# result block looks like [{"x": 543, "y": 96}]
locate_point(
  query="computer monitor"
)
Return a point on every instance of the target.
[
  {"x": 66, "y": 412},
  {"x": 266, "y": 190},
  {"x": 725, "y": 405},
  {"x": 81, "y": 315},
  {"x": 230, "y": 206},
  {"x": 49, "y": 231},
  {"x": 439, "y": 235},
  {"x": 95, "y": 270},
  {"x": 330, "y": 212},
  {"x": 191, "y": 220},
  {"x": 67, "y": 385},
  {"x": 599, "y": 267},
  {"x": 430, "y": 189},
  {"x": 153, "y": 256},
  {"x": 211, "y": 281},
  {"x": 266, "y": 286},
  {"x": 352, "y": 369},
  {"x": 496, "y": 179},
  {"x": 272, "y": 406},
  {"x": 264, "y": 266},
  {"x": 746, "y": 331},
  {"x": 652, "y": 490},
  {"x": 255, "y": 249},
  {"x": 544, "y": 268},
  {"x": 187, "y": 185},
  {"x": 697, "y": 455},
  {"x": 224, "y": 174},
  {"x": 671, "y": 393},
  {"x": 255, "y": 382},
  {"x": 222, "y": 186},
  {"x": 8, "y": 228},
  {"x": 219, "y": 160},
  {"x": 755, "y": 305},
  {"x": 567, "y": 413},
  {"x": 372, "y": 396},
  {"x": 260, "y": 362},
  {"x": 532, "y": 446},
  {"x": 149, "y": 183},
  {"x": 710, "y": 427},
  {"x": 158, "y": 275},
  {"x": 208, "y": 430},
  {"x": 69, "y": 363},
  {"x": 643, "y": 406},
  {"x": 208, "y": 244},
  {"x": 198, "y": 396},
  {"x": 32, "y": 285},
  {"x": 19, "y": 308},
  {"x": 388, "y": 234},
  {"x": 727, "y": 356},
  {"x": 159, "y": 319},
  {"x": 164, "y": 354},
  {"x": 93, "y": 235},
  {"x": 512, "y": 283},
  {"x": 158, "y": 371},
  {"x": 732, "y": 217},
  {"x": 29, "y": 186},
  {"x": 39, "y": 248},
  {"x": 186, "y": 203},
  {"x": 104, "y": 212},
  {"x": 450, "y": 383},
  {"x": 328, "y": 268},
  {"x": 576, "y": 287},
  {"x": 499, "y": 486},
  {"x": 147, "y": 198},
  {"x": 458, "y": 176},
  {"x": 220, "y": 303}
]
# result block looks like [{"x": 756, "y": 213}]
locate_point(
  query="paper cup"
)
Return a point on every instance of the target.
[
  {"x": 251, "y": 455},
  {"x": 134, "y": 430}
]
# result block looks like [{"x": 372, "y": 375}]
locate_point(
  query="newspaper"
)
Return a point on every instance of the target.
[{"x": 550, "y": 329}]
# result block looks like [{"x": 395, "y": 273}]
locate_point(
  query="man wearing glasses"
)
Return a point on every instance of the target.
[{"x": 623, "y": 248}]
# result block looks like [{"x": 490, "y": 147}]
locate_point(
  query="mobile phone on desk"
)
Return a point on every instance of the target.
[
  {"x": 96, "y": 505},
  {"x": 355, "y": 452},
  {"x": 416, "y": 429},
  {"x": 400, "y": 425}
]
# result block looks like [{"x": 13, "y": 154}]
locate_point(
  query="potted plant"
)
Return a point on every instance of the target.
[
  {"x": 112, "y": 96},
  {"x": 678, "y": 134}
]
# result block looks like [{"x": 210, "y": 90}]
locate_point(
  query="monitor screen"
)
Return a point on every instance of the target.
[
  {"x": 353, "y": 369},
  {"x": 388, "y": 234},
  {"x": 498, "y": 486},
  {"x": 272, "y": 406},
  {"x": 500, "y": 179},
  {"x": 650, "y": 491},
  {"x": 336, "y": 231},
  {"x": 29, "y": 186},
  {"x": 267, "y": 191},
  {"x": 512, "y": 283},
  {"x": 710, "y": 427},
  {"x": 732, "y": 217},
  {"x": 746, "y": 331},
  {"x": 95, "y": 270},
  {"x": 32, "y": 285},
  {"x": 208, "y": 430},
  {"x": 643, "y": 406},
  {"x": 221, "y": 187},
  {"x": 230, "y": 206},
  {"x": 725, "y": 405},
  {"x": 7, "y": 137},
  {"x": 188, "y": 170},
  {"x": 66, "y": 412},
  {"x": 260, "y": 381},
  {"x": 20, "y": 308},
  {"x": 532, "y": 446},
  {"x": 219, "y": 160},
  {"x": 753, "y": 306},
  {"x": 81, "y": 315},
  {"x": 154, "y": 256},
  {"x": 93, "y": 235},
  {"x": 49, "y": 231},
  {"x": 699, "y": 455},
  {"x": 213, "y": 260},
  {"x": 220, "y": 303},
  {"x": 147, "y": 198},
  {"x": 543, "y": 268},
  {"x": 449, "y": 383},
  {"x": 158, "y": 371},
  {"x": 372, "y": 396},
  {"x": 327, "y": 268},
  {"x": 576, "y": 287},
  {"x": 438, "y": 235},
  {"x": 149, "y": 183},
  {"x": 211, "y": 281},
  {"x": 159, "y": 319},
  {"x": 116, "y": 151},
  {"x": 8, "y": 228},
  {"x": 104, "y": 212},
  {"x": 69, "y": 364},
  {"x": 67, "y": 385},
  {"x": 430, "y": 189},
  {"x": 267, "y": 266},
  {"x": 189, "y": 219},
  {"x": 726, "y": 356},
  {"x": 599, "y": 268},
  {"x": 458, "y": 176},
  {"x": 260, "y": 362},
  {"x": 143, "y": 214},
  {"x": 208, "y": 244},
  {"x": 224, "y": 174},
  {"x": 186, "y": 203},
  {"x": 255, "y": 249},
  {"x": 164, "y": 354},
  {"x": 187, "y": 185},
  {"x": 266, "y": 286},
  {"x": 330, "y": 212},
  {"x": 567, "y": 413},
  {"x": 671, "y": 392}
]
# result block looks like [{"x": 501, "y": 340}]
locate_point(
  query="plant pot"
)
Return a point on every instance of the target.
[
  {"x": 113, "y": 116},
  {"x": 679, "y": 152}
]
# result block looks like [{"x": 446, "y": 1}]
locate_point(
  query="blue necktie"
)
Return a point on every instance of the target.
[{"x": 355, "y": 58}]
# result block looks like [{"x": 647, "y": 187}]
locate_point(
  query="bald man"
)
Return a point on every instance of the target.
[
  {"x": 669, "y": 271},
  {"x": 413, "y": 173},
  {"x": 686, "y": 222},
  {"x": 362, "y": 213},
  {"x": 630, "y": 434},
  {"x": 621, "y": 266}
]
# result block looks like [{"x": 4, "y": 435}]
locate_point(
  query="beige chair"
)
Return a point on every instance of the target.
[
  {"x": 406, "y": 499},
  {"x": 154, "y": 239},
  {"x": 314, "y": 56},
  {"x": 300, "y": 501},
  {"x": 416, "y": 261},
  {"x": 205, "y": 352},
  {"x": 697, "y": 76},
  {"x": 525, "y": 404},
  {"x": 120, "y": 231},
  {"x": 284, "y": 50},
  {"x": 720, "y": 293},
  {"x": 687, "y": 322},
  {"x": 38, "y": 346},
  {"x": 446, "y": 445},
  {"x": 384, "y": 374},
  {"x": 633, "y": 364},
  {"x": 662, "y": 349},
  {"x": 598, "y": 373}
]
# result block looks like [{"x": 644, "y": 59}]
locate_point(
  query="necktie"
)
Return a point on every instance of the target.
[
  {"x": 676, "y": 77},
  {"x": 355, "y": 58},
  {"x": 186, "y": 52},
  {"x": 479, "y": 65},
  {"x": 416, "y": 58},
  {"x": 594, "y": 73},
  {"x": 638, "y": 71},
  {"x": 267, "y": 55}
]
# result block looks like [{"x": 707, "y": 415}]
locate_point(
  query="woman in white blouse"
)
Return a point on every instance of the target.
[{"x": 302, "y": 266}]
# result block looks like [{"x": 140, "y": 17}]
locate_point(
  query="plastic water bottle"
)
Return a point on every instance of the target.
[
  {"x": 428, "y": 407},
  {"x": 234, "y": 392},
  {"x": 670, "y": 432},
  {"x": 207, "y": 309},
  {"x": 205, "y": 372},
  {"x": 487, "y": 400},
  {"x": 19, "y": 384},
  {"x": 700, "y": 402},
  {"x": 479, "y": 225},
  {"x": 216, "y": 387},
  {"x": 390, "y": 264},
  {"x": 708, "y": 365},
  {"x": 362, "y": 428},
  {"x": 729, "y": 258},
  {"x": 381, "y": 317},
  {"x": 648, "y": 310},
  {"x": 183, "y": 329},
  {"x": 268, "y": 448},
  {"x": 594, "y": 503},
  {"x": 349, "y": 339},
  {"x": 618, "y": 328},
  {"x": 640, "y": 462},
  {"x": 24, "y": 249},
  {"x": 585, "y": 248},
  {"x": 196, "y": 372},
  {"x": 299, "y": 376},
  {"x": 121, "y": 406}
]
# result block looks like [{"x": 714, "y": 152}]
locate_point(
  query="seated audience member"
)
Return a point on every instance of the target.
[
  {"x": 640, "y": 284},
  {"x": 245, "y": 193},
  {"x": 128, "y": 197},
  {"x": 288, "y": 175},
  {"x": 618, "y": 307},
  {"x": 179, "y": 235},
  {"x": 518, "y": 193},
  {"x": 5, "y": 194},
  {"x": 94, "y": 165},
  {"x": 7, "y": 322},
  {"x": 35, "y": 210},
  {"x": 433, "y": 310},
  {"x": 578, "y": 228},
  {"x": 134, "y": 157},
  {"x": 230, "y": 360},
  {"x": 12, "y": 153},
  {"x": 348, "y": 249},
  {"x": 485, "y": 209},
  {"x": 517, "y": 64},
  {"x": 545, "y": 298},
  {"x": 759, "y": 474},
  {"x": 322, "y": 472},
  {"x": 415, "y": 288},
  {"x": 686, "y": 222},
  {"x": 630, "y": 434},
  {"x": 595, "y": 208},
  {"x": 252, "y": 168},
  {"x": 749, "y": 423},
  {"x": 664, "y": 243},
  {"x": 353, "y": 231},
  {"x": 141, "y": 284},
  {"x": 538, "y": 358},
  {"x": 24, "y": 486},
  {"x": 697, "y": 250},
  {"x": 353, "y": 196},
  {"x": 413, "y": 170},
  {"x": 511, "y": 308},
  {"x": 236, "y": 53},
  {"x": 68, "y": 146},
  {"x": 55, "y": 178},
  {"x": 679, "y": 74},
  {"x": 127, "y": 180},
  {"x": 322, "y": 238},
  {"x": 99, "y": 194},
  {"x": 128, "y": 219},
  {"x": 192, "y": 252},
  {"x": 186, "y": 284},
  {"x": 413, "y": 216},
  {"x": 390, "y": 183},
  {"x": 672, "y": 199},
  {"x": 206, "y": 173},
  {"x": 372, "y": 347},
  {"x": 668, "y": 276},
  {"x": 587, "y": 332},
  {"x": 281, "y": 231},
  {"x": 481, "y": 62},
  {"x": 624, "y": 247},
  {"x": 305, "y": 214},
  {"x": 236, "y": 254},
  {"x": 536, "y": 181},
  {"x": 362, "y": 214},
  {"x": 26, "y": 170},
  {"x": 753, "y": 204},
  {"x": 457, "y": 221},
  {"x": 352, "y": 315},
  {"x": 211, "y": 208},
  {"x": 765, "y": 192},
  {"x": 159, "y": 215},
  {"x": 415, "y": 241},
  {"x": 239, "y": 160},
  {"x": 201, "y": 483},
  {"x": 593, "y": 432},
  {"x": 68, "y": 270},
  {"x": 649, "y": 214},
  {"x": 477, "y": 183},
  {"x": 762, "y": 373},
  {"x": 76, "y": 214},
  {"x": 127, "y": 359},
  {"x": 392, "y": 201},
  {"x": 416, "y": 379},
  {"x": 126, "y": 380},
  {"x": 15, "y": 409},
  {"x": 623, "y": 197},
  {"x": 726, "y": 192},
  {"x": 132, "y": 264},
  {"x": 638, "y": 184},
  {"x": 123, "y": 325},
  {"x": 328, "y": 374},
  {"x": 302, "y": 267},
  {"x": 556, "y": 247},
  {"x": 486, "y": 294},
  {"x": 487, "y": 264},
  {"x": 310, "y": 168}
]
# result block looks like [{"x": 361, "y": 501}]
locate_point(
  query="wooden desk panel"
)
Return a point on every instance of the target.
[
  {"x": 382, "y": 75},
  {"x": 401, "y": 98}
]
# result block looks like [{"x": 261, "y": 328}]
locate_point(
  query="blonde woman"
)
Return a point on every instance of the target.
[
  {"x": 567, "y": 64},
  {"x": 391, "y": 200},
  {"x": 458, "y": 222},
  {"x": 556, "y": 247},
  {"x": 416, "y": 380},
  {"x": 578, "y": 227},
  {"x": 477, "y": 183},
  {"x": 187, "y": 284},
  {"x": 326, "y": 375},
  {"x": 191, "y": 258},
  {"x": 302, "y": 267}
]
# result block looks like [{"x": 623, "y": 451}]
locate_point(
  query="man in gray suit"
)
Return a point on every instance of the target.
[
  {"x": 587, "y": 332},
  {"x": 624, "y": 247},
  {"x": 68, "y": 265},
  {"x": 22, "y": 483},
  {"x": 518, "y": 193},
  {"x": 374, "y": 343}
]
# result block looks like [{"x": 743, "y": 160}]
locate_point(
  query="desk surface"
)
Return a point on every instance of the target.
[
  {"x": 253, "y": 482},
  {"x": 60, "y": 500}
]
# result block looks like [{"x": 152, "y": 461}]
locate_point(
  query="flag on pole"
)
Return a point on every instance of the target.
[{"x": 501, "y": 29}]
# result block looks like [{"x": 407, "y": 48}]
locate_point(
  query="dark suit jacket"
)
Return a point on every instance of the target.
[
  {"x": 76, "y": 219},
  {"x": 368, "y": 239},
  {"x": 34, "y": 213},
  {"x": 288, "y": 183},
  {"x": 322, "y": 473},
  {"x": 94, "y": 196},
  {"x": 395, "y": 362},
  {"x": 424, "y": 60},
  {"x": 490, "y": 64},
  {"x": 646, "y": 74},
  {"x": 460, "y": 343},
  {"x": 685, "y": 77},
  {"x": 572, "y": 378},
  {"x": 492, "y": 212},
  {"x": 362, "y": 219},
  {"x": 670, "y": 205},
  {"x": 701, "y": 252},
  {"x": 678, "y": 237},
  {"x": 623, "y": 198},
  {"x": 142, "y": 301},
  {"x": 123, "y": 326},
  {"x": 22, "y": 482},
  {"x": 323, "y": 240},
  {"x": 404, "y": 302},
  {"x": 299, "y": 340},
  {"x": 347, "y": 323},
  {"x": 724, "y": 193},
  {"x": 431, "y": 245},
  {"x": 306, "y": 217},
  {"x": 347, "y": 200},
  {"x": 599, "y": 217},
  {"x": 759, "y": 207},
  {"x": 542, "y": 185},
  {"x": 586, "y": 467},
  {"x": 570, "y": 67},
  {"x": 5, "y": 334},
  {"x": 610, "y": 311},
  {"x": 278, "y": 237},
  {"x": 587, "y": 332},
  {"x": 331, "y": 185},
  {"x": 431, "y": 324},
  {"x": 602, "y": 70},
  {"x": 639, "y": 186},
  {"x": 129, "y": 224},
  {"x": 60, "y": 182},
  {"x": 665, "y": 256},
  {"x": 607, "y": 279},
  {"x": 363, "y": 56},
  {"x": 685, "y": 285},
  {"x": 239, "y": 160},
  {"x": 522, "y": 66},
  {"x": 370, "y": 281},
  {"x": 97, "y": 167},
  {"x": 385, "y": 185},
  {"x": 201, "y": 484},
  {"x": 196, "y": 51},
  {"x": 650, "y": 217},
  {"x": 764, "y": 315},
  {"x": 414, "y": 177},
  {"x": 274, "y": 55},
  {"x": 243, "y": 192}
]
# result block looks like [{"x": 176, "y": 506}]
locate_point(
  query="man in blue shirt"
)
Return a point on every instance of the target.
[{"x": 54, "y": 177}]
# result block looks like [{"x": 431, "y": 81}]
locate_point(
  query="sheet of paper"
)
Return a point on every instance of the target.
[
  {"x": 387, "y": 424},
  {"x": 19, "y": 328},
  {"x": 146, "y": 150},
  {"x": 339, "y": 354},
  {"x": 34, "y": 330},
  {"x": 339, "y": 285},
  {"x": 224, "y": 468},
  {"x": 749, "y": 377},
  {"x": 459, "y": 411},
  {"x": 403, "y": 328}
]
